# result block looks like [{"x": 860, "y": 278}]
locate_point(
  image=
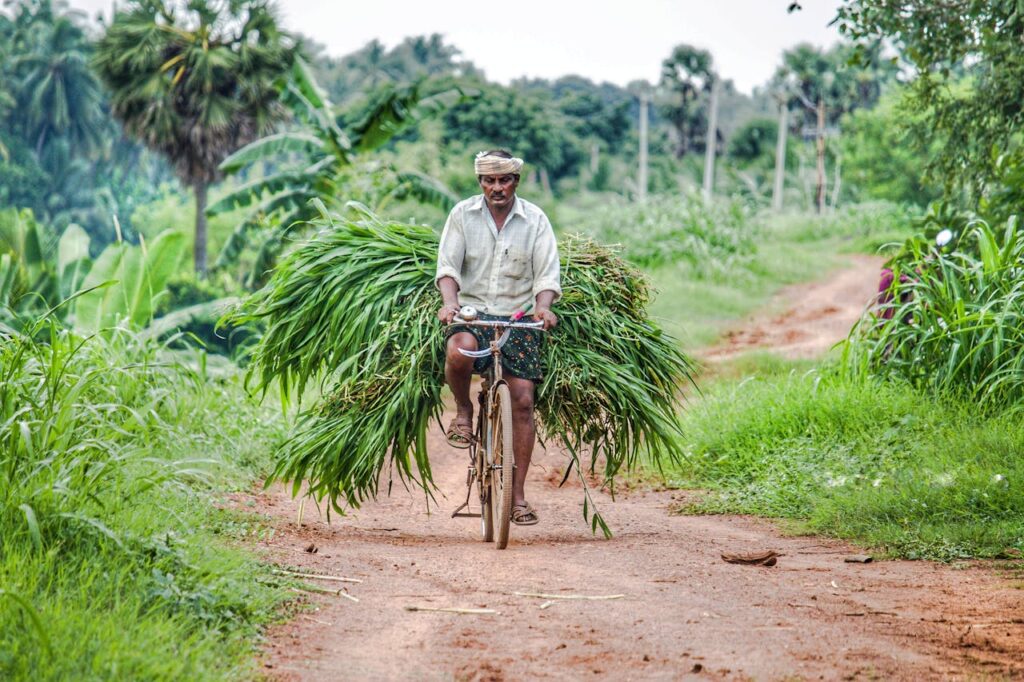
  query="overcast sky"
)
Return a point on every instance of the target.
[{"x": 617, "y": 41}]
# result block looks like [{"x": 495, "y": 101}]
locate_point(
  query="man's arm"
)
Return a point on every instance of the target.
[
  {"x": 450, "y": 297},
  {"x": 543, "y": 313},
  {"x": 450, "y": 254},
  {"x": 547, "y": 286}
]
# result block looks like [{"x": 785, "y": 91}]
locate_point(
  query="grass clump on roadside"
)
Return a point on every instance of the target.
[
  {"x": 877, "y": 462},
  {"x": 112, "y": 560},
  {"x": 956, "y": 321}
]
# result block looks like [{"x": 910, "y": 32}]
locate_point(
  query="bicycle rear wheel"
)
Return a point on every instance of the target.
[{"x": 501, "y": 456}]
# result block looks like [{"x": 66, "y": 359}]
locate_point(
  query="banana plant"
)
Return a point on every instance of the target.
[
  {"x": 282, "y": 197},
  {"x": 35, "y": 274},
  {"x": 136, "y": 275},
  {"x": 28, "y": 271}
]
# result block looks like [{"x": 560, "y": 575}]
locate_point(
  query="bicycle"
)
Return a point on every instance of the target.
[{"x": 491, "y": 462}]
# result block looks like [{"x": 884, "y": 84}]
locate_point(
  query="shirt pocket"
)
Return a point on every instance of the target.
[{"x": 517, "y": 263}]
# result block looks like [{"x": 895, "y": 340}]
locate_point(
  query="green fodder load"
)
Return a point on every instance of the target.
[{"x": 354, "y": 308}]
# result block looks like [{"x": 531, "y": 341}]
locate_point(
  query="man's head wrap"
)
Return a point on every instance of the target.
[{"x": 489, "y": 164}]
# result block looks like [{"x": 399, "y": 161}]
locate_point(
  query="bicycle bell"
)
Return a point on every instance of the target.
[{"x": 468, "y": 313}]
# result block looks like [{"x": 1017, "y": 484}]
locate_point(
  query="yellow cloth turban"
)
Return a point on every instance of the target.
[{"x": 486, "y": 164}]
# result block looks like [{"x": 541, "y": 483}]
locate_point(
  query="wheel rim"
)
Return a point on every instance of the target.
[{"x": 501, "y": 480}]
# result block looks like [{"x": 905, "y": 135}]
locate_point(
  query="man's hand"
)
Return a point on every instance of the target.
[
  {"x": 549, "y": 319},
  {"x": 447, "y": 313}
]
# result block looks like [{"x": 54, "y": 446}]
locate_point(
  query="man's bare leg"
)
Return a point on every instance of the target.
[
  {"x": 458, "y": 372},
  {"x": 523, "y": 433}
]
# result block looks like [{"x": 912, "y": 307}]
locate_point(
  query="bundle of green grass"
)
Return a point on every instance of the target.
[{"x": 354, "y": 308}]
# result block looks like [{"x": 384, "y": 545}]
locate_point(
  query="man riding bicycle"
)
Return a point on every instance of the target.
[{"x": 498, "y": 254}]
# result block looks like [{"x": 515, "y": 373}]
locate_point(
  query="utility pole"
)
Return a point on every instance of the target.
[
  {"x": 641, "y": 183},
  {"x": 780, "y": 156},
  {"x": 837, "y": 184},
  {"x": 711, "y": 142},
  {"x": 820, "y": 187}
]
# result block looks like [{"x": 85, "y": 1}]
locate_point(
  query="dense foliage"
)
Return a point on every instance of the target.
[
  {"x": 969, "y": 76},
  {"x": 61, "y": 154}
]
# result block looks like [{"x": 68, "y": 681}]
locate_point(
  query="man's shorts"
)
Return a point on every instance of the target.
[{"x": 520, "y": 356}]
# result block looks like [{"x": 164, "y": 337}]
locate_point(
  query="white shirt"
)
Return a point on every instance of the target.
[{"x": 499, "y": 271}]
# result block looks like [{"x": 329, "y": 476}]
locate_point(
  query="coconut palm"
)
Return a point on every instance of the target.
[
  {"x": 195, "y": 81},
  {"x": 57, "y": 93}
]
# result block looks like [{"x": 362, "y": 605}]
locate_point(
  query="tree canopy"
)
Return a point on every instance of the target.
[
  {"x": 195, "y": 82},
  {"x": 969, "y": 76}
]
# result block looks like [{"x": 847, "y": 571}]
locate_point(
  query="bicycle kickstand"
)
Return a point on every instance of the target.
[{"x": 469, "y": 492}]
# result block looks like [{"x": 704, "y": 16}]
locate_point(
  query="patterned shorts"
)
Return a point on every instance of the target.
[{"x": 520, "y": 356}]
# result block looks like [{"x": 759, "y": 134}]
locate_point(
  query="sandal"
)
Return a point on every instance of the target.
[
  {"x": 524, "y": 515},
  {"x": 459, "y": 434}
]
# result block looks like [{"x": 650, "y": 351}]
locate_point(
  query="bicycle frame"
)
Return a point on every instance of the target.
[{"x": 482, "y": 467}]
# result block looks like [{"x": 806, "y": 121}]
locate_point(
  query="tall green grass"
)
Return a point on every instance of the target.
[
  {"x": 869, "y": 227},
  {"x": 879, "y": 462},
  {"x": 713, "y": 239},
  {"x": 957, "y": 318},
  {"x": 111, "y": 564}
]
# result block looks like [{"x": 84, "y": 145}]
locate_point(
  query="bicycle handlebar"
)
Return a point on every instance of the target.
[{"x": 501, "y": 324}]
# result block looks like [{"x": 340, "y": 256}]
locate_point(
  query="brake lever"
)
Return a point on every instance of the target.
[{"x": 487, "y": 351}]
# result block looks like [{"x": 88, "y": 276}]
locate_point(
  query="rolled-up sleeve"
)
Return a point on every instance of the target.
[
  {"x": 452, "y": 250},
  {"x": 546, "y": 274}
]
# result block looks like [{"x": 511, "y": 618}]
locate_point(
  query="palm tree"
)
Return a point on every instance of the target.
[
  {"x": 195, "y": 81},
  {"x": 686, "y": 75},
  {"x": 57, "y": 93}
]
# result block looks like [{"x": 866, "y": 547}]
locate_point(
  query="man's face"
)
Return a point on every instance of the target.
[{"x": 499, "y": 190}]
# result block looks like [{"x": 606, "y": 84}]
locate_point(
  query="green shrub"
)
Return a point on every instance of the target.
[
  {"x": 866, "y": 228},
  {"x": 714, "y": 239}
]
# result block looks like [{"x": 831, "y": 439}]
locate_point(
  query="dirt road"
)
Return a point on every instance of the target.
[
  {"x": 685, "y": 613},
  {"x": 813, "y": 316}
]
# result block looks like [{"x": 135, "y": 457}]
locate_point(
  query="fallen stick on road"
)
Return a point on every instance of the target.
[
  {"x": 314, "y": 575},
  {"x": 569, "y": 596},
  {"x": 320, "y": 590},
  {"x": 452, "y": 610}
]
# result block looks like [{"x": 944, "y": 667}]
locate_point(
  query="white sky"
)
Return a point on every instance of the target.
[{"x": 616, "y": 41}]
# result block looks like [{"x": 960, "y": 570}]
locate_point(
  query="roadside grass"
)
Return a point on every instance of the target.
[
  {"x": 876, "y": 462},
  {"x": 115, "y": 562}
]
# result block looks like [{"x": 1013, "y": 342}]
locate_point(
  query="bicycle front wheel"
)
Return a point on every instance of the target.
[
  {"x": 486, "y": 508},
  {"x": 504, "y": 464}
]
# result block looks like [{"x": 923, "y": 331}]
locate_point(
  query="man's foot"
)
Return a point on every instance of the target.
[
  {"x": 524, "y": 515},
  {"x": 460, "y": 433}
]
